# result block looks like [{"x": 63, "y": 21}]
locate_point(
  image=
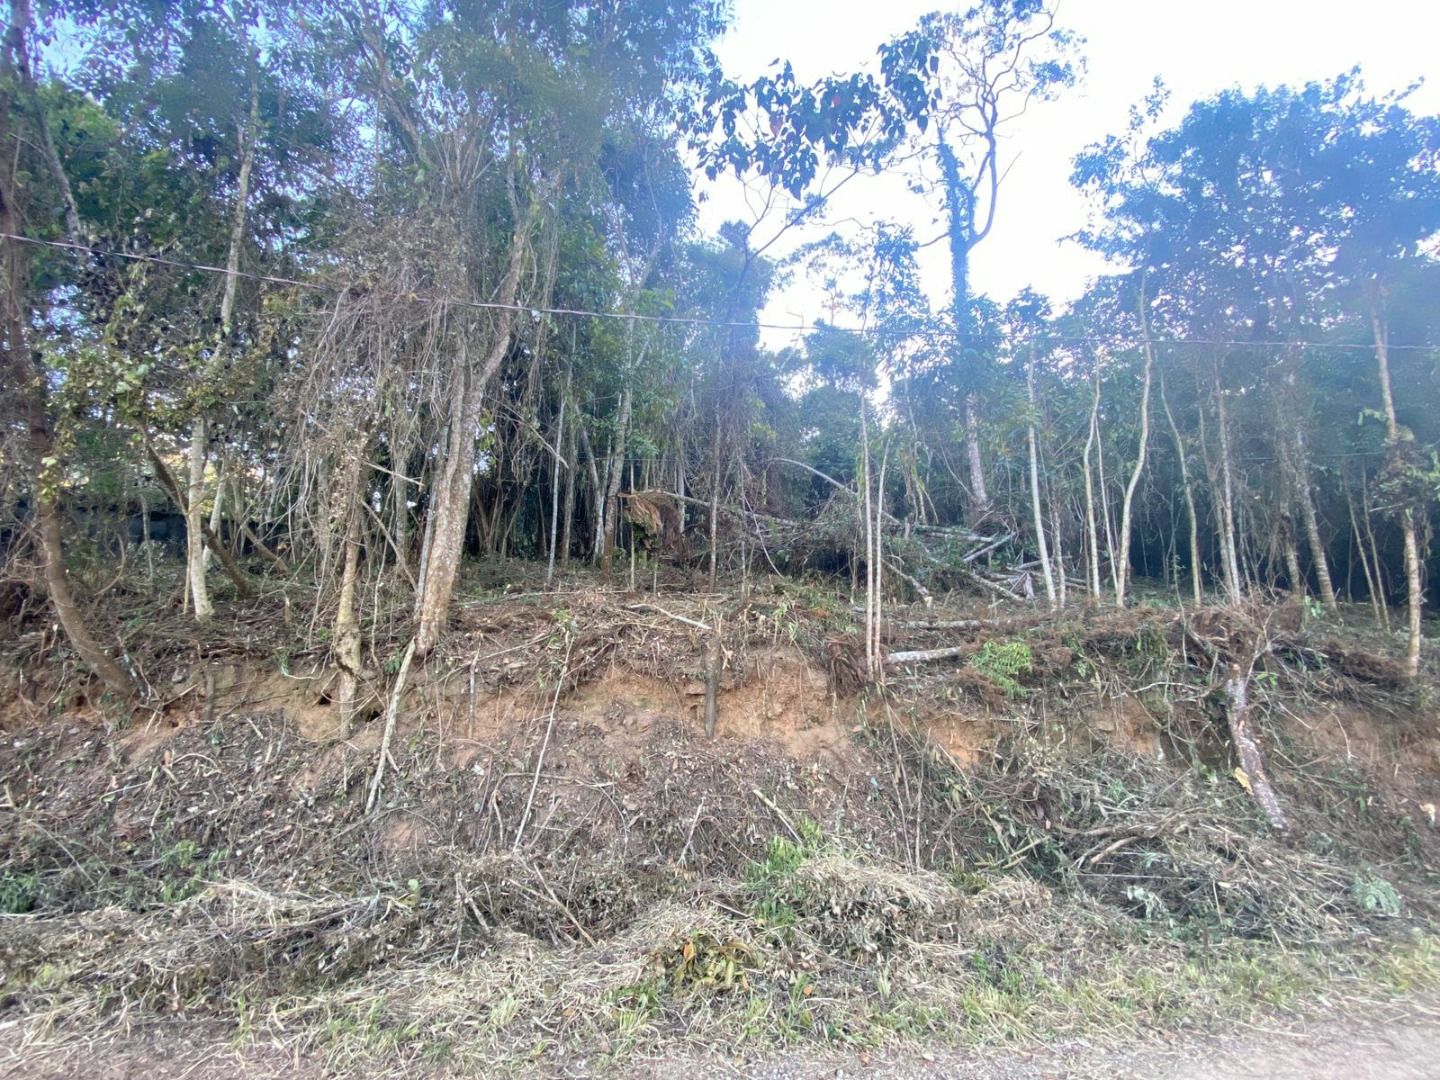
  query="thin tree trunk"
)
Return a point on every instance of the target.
[
  {"x": 217, "y": 510},
  {"x": 1036, "y": 512},
  {"x": 1409, "y": 527},
  {"x": 870, "y": 614},
  {"x": 606, "y": 519},
  {"x": 1106, "y": 517},
  {"x": 1227, "y": 493},
  {"x": 194, "y": 523},
  {"x": 1380, "y": 583},
  {"x": 1247, "y": 746},
  {"x": 1189, "y": 492},
  {"x": 177, "y": 495},
  {"x": 195, "y": 534},
  {"x": 1372, "y": 586},
  {"x": 1310, "y": 520},
  {"x": 571, "y": 455},
  {"x": 1092, "y": 532},
  {"x": 1291, "y": 551},
  {"x": 347, "y": 624},
  {"x": 1414, "y": 569},
  {"x": 1058, "y": 555},
  {"x": 555, "y": 486},
  {"x": 715, "y": 513},
  {"x": 400, "y": 500},
  {"x": 1122, "y": 579},
  {"x": 880, "y": 562},
  {"x": 978, "y": 490}
]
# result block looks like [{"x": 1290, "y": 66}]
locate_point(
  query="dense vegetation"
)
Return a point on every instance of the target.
[{"x": 344, "y": 293}]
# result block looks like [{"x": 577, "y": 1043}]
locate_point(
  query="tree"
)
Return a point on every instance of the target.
[
  {"x": 991, "y": 62},
  {"x": 24, "y": 119}
]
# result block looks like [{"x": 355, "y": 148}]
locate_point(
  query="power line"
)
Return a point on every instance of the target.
[{"x": 683, "y": 320}]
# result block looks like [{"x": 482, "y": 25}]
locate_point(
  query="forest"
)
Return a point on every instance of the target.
[
  {"x": 346, "y": 336},
  {"x": 389, "y": 289}
]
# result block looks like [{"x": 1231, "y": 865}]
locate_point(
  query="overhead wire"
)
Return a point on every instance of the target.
[{"x": 686, "y": 320}]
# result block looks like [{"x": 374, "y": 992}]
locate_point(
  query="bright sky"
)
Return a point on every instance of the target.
[{"x": 1197, "y": 47}]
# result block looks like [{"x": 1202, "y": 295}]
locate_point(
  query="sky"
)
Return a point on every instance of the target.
[{"x": 1198, "y": 48}]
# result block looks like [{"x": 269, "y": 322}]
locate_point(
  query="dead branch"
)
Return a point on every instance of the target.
[
  {"x": 1256, "y": 778},
  {"x": 390, "y": 715}
]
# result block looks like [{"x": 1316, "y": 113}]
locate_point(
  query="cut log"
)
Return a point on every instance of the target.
[
  {"x": 1247, "y": 746},
  {"x": 926, "y": 656}
]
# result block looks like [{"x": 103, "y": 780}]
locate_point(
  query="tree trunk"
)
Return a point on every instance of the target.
[
  {"x": 47, "y": 472},
  {"x": 555, "y": 486},
  {"x": 195, "y": 533},
  {"x": 26, "y": 373},
  {"x": 347, "y": 625},
  {"x": 1310, "y": 520},
  {"x": 195, "y": 523},
  {"x": 1189, "y": 492},
  {"x": 1372, "y": 586},
  {"x": 978, "y": 491},
  {"x": 1233, "y": 581},
  {"x": 1375, "y": 561},
  {"x": 1035, "y": 508},
  {"x": 1291, "y": 551},
  {"x": 1414, "y": 569},
  {"x": 1057, "y": 555},
  {"x": 1092, "y": 530},
  {"x": 1414, "y": 561},
  {"x": 871, "y": 616},
  {"x": 1105, "y": 516},
  {"x": 1122, "y": 579},
  {"x": 715, "y": 513},
  {"x": 606, "y": 518},
  {"x": 451, "y": 505}
]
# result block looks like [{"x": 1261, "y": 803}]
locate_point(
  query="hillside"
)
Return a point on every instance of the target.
[{"x": 1041, "y": 837}]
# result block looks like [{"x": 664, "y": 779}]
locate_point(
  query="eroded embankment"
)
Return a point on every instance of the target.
[{"x": 560, "y": 863}]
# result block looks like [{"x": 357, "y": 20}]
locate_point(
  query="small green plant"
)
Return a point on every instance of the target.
[
  {"x": 19, "y": 894},
  {"x": 769, "y": 878},
  {"x": 1002, "y": 661},
  {"x": 645, "y": 996},
  {"x": 1375, "y": 896}
]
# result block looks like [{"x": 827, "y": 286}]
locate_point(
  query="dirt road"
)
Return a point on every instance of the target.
[{"x": 1398, "y": 1042}]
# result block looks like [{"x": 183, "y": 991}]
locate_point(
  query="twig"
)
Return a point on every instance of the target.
[
  {"x": 390, "y": 714},
  {"x": 559, "y": 905},
  {"x": 690, "y": 835},
  {"x": 669, "y": 615},
  {"x": 545, "y": 743},
  {"x": 778, "y": 813}
]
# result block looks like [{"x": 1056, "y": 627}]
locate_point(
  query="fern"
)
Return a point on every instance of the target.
[{"x": 1002, "y": 662}]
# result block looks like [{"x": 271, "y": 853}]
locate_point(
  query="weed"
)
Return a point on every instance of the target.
[
  {"x": 19, "y": 893},
  {"x": 1002, "y": 661},
  {"x": 1375, "y": 896}
]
